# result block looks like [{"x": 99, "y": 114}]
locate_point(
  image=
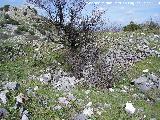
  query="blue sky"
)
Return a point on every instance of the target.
[{"x": 117, "y": 11}]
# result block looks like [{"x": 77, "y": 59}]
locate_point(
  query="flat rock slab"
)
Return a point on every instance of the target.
[
  {"x": 80, "y": 117},
  {"x": 147, "y": 82}
]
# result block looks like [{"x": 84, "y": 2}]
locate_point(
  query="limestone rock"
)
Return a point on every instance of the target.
[{"x": 12, "y": 86}]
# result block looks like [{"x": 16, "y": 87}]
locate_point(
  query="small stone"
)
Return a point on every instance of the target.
[
  {"x": 45, "y": 78},
  {"x": 111, "y": 89},
  {"x": 145, "y": 71},
  {"x": 89, "y": 104},
  {"x": 129, "y": 108},
  {"x": 70, "y": 96},
  {"x": 36, "y": 88},
  {"x": 99, "y": 113},
  {"x": 3, "y": 96},
  {"x": 63, "y": 100},
  {"x": 124, "y": 91},
  {"x": 88, "y": 111}
]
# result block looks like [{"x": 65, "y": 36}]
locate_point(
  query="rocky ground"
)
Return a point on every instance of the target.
[{"x": 37, "y": 84}]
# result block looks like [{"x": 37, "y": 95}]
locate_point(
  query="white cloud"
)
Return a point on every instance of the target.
[
  {"x": 108, "y": 3},
  {"x": 118, "y": 3},
  {"x": 131, "y": 3},
  {"x": 97, "y": 3}
]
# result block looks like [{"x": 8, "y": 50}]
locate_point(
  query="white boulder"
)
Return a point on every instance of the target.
[{"x": 129, "y": 108}]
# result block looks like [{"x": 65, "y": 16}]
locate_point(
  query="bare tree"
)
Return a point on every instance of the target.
[{"x": 73, "y": 29}]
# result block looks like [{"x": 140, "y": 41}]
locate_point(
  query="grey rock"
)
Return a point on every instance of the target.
[
  {"x": 71, "y": 97},
  {"x": 65, "y": 83},
  {"x": 63, "y": 100},
  {"x": 12, "y": 86},
  {"x": 24, "y": 113},
  {"x": 145, "y": 83},
  {"x": 3, "y": 96},
  {"x": 45, "y": 78},
  {"x": 24, "y": 117},
  {"x": 3, "y": 113}
]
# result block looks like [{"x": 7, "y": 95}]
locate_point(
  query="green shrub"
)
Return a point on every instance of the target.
[
  {"x": 34, "y": 10},
  {"x": 11, "y": 21},
  {"x": 31, "y": 32},
  {"x": 132, "y": 27},
  {"x": 1, "y": 9},
  {"x": 42, "y": 31},
  {"x": 35, "y": 25},
  {"x": 6, "y": 16},
  {"x": 18, "y": 32},
  {"x": 21, "y": 29},
  {"x": 7, "y": 20},
  {"x": 15, "y": 9},
  {"x": 5, "y": 8}
]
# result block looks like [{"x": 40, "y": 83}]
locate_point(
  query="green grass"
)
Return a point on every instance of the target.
[
  {"x": 150, "y": 63},
  {"x": 20, "y": 69},
  {"x": 117, "y": 101}
]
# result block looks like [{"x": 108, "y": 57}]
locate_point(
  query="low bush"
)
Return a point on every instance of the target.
[
  {"x": 132, "y": 27},
  {"x": 31, "y": 32},
  {"x": 6, "y": 16},
  {"x": 21, "y": 29},
  {"x": 6, "y": 19},
  {"x": 2, "y": 23},
  {"x": 13, "y": 22},
  {"x": 5, "y": 8},
  {"x": 25, "y": 13}
]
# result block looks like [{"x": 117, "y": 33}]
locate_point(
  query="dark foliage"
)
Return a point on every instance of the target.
[
  {"x": 132, "y": 27},
  {"x": 73, "y": 29},
  {"x": 25, "y": 13},
  {"x": 8, "y": 20},
  {"x": 15, "y": 9},
  {"x": 21, "y": 29},
  {"x": 6, "y": 16},
  {"x": 5, "y": 8},
  {"x": 31, "y": 32}
]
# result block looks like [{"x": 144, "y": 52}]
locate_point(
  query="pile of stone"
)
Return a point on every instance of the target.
[{"x": 59, "y": 79}]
